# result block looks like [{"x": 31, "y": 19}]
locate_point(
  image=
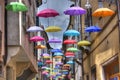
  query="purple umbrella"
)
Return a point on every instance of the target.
[
  {"x": 54, "y": 41},
  {"x": 45, "y": 54},
  {"x": 76, "y": 10}
]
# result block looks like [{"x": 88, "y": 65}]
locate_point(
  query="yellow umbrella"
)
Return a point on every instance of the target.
[
  {"x": 53, "y": 29},
  {"x": 83, "y": 43},
  {"x": 67, "y": 65},
  {"x": 58, "y": 57},
  {"x": 103, "y": 12},
  {"x": 40, "y": 47},
  {"x": 46, "y": 57}
]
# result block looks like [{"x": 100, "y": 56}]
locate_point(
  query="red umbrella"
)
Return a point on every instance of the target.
[
  {"x": 49, "y": 61},
  {"x": 69, "y": 54},
  {"x": 36, "y": 38},
  {"x": 70, "y": 41},
  {"x": 47, "y": 13}
]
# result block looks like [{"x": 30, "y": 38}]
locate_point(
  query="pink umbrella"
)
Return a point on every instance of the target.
[
  {"x": 45, "y": 72},
  {"x": 54, "y": 41},
  {"x": 45, "y": 54},
  {"x": 47, "y": 13},
  {"x": 36, "y": 38}
]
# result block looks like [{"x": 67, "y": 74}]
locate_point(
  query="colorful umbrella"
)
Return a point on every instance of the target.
[
  {"x": 71, "y": 33},
  {"x": 54, "y": 41},
  {"x": 72, "y": 49},
  {"x": 16, "y": 7},
  {"x": 93, "y": 29},
  {"x": 70, "y": 62},
  {"x": 40, "y": 47},
  {"x": 45, "y": 54},
  {"x": 34, "y": 29},
  {"x": 36, "y": 38},
  {"x": 47, "y": 13},
  {"x": 69, "y": 41},
  {"x": 59, "y": 63},
  {"x": 58, "y": 57},
  {"x": 67, "y": 65},
  {"x": 40, "y": 64},
  {"x": 103, "y": 12},
  {"x": 49, "y": 61},
  {"x": 53, "y": 29},
  {"x": 69, "y": 53},
  {"x": 76, "y": 10},
  {"x": 55, "y": 50},
  {"x": 58, "y": 54},
  {"x": 83, "y": 43}
]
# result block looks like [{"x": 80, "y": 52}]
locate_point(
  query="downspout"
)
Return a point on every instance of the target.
[
  {"x": 20, "y": 26},
  {"x": 6, "y": 39},
  {"x": 118, "y": 14}
]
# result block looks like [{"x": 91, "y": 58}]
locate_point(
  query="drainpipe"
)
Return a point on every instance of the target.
[{"x": 5, "y": 30}]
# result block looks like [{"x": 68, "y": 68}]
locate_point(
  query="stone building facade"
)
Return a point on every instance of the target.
[{"x": 101, "y": 60}]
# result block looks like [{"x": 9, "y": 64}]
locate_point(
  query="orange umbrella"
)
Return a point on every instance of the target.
[
  {"x": 103, "y": 12},
  {"x": 40, "y": 47}
]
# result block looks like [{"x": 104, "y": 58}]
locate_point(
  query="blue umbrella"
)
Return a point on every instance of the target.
[
  {"x": 34, "y": 29},
  {"x": 58, "y": 54},
  {"x": 71, "y": 33},
  {"x": 70, "y": 62},
  {"x": 55, "y": 50},
  {"x": 93, "y": 29},
  {"x": 40, "y": 64}
]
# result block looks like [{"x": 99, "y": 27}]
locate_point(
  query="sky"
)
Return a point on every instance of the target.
[{"x": 61, "y": 21}]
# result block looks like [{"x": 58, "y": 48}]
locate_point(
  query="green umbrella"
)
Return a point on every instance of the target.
[
  {"x": 16, "y": 7},
  {"x": 72, "y": 49}
]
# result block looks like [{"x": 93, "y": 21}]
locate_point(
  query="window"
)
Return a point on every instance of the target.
[
  {"x": 100, "y": 3},
  {"x": 0, "y": 42},
  {"x": 93, "y": 73}
]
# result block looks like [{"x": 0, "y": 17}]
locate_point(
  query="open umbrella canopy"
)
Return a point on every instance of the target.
[
  {"x": 103, "y": 12},
  {"x": 45, "y": 54},
  {"x": 36, "y": 38},
  {"x": 54, "y": 41},
  {"x": 47, "y": 13},
  {"x": 59, "y": 63},
  {"x": 69, "y": 41},
  {"x": 70, "y": 62},
  {"x": 58, "y": 54},
  {"x": 53, "y": 29},
  {"x": 93, "y": 29},
  {"x": 67, "y": 65},
  {"x": 16, "y": 7},
  {"x": 71, "y": 33},
  {"x": 40, "y": 47},
  {"x": 69, "y": 54},
  {"x": 75, "y": 10},
  {"x": 58, "y": 57},
  {"x": 72, "y": 49},
  {"x": 34, "y": 29},
  {"x": 83, "y": 43},
  {"x": 49, "y": 61},
  {"x": 55, "y": 50}
]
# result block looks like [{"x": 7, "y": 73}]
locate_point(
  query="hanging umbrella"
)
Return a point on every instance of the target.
[
  {"x": 44, "y": 67},
  {"x": 59, "y": 63},
  {"x": 40, "y": 64},
  {"x": 67, "y": 65},
  {"x": 55, "y": 50},
  {"x": 54, "y": 41},
  {"x": 71, "y": 33},
  {"x": 72, "y": 49},
  {"x": 36, "y": 38},
  {"x": 45, "y": 54},
  {"x": 58, "y": 57},
  {"x": 69, "y": 54},
  {"x": 58, "y": 54},
  {"x": 83, "y": 43},
  {"x": 34, "y": 29},
  {"x": 75, "y": 10},
  {"x": 49, "y": 61},
  {"x": 70, "y": 62},
  {"x": 47, "y": 13},
  {"x": 103, "y": 12},
  {"x": 53, "y": 29},
  {"x": 93, "y": 29},
  {"x": 69, "y": 41},
  {"x": 40, "y": 47},
  {"x": 16, "y": 7}
]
